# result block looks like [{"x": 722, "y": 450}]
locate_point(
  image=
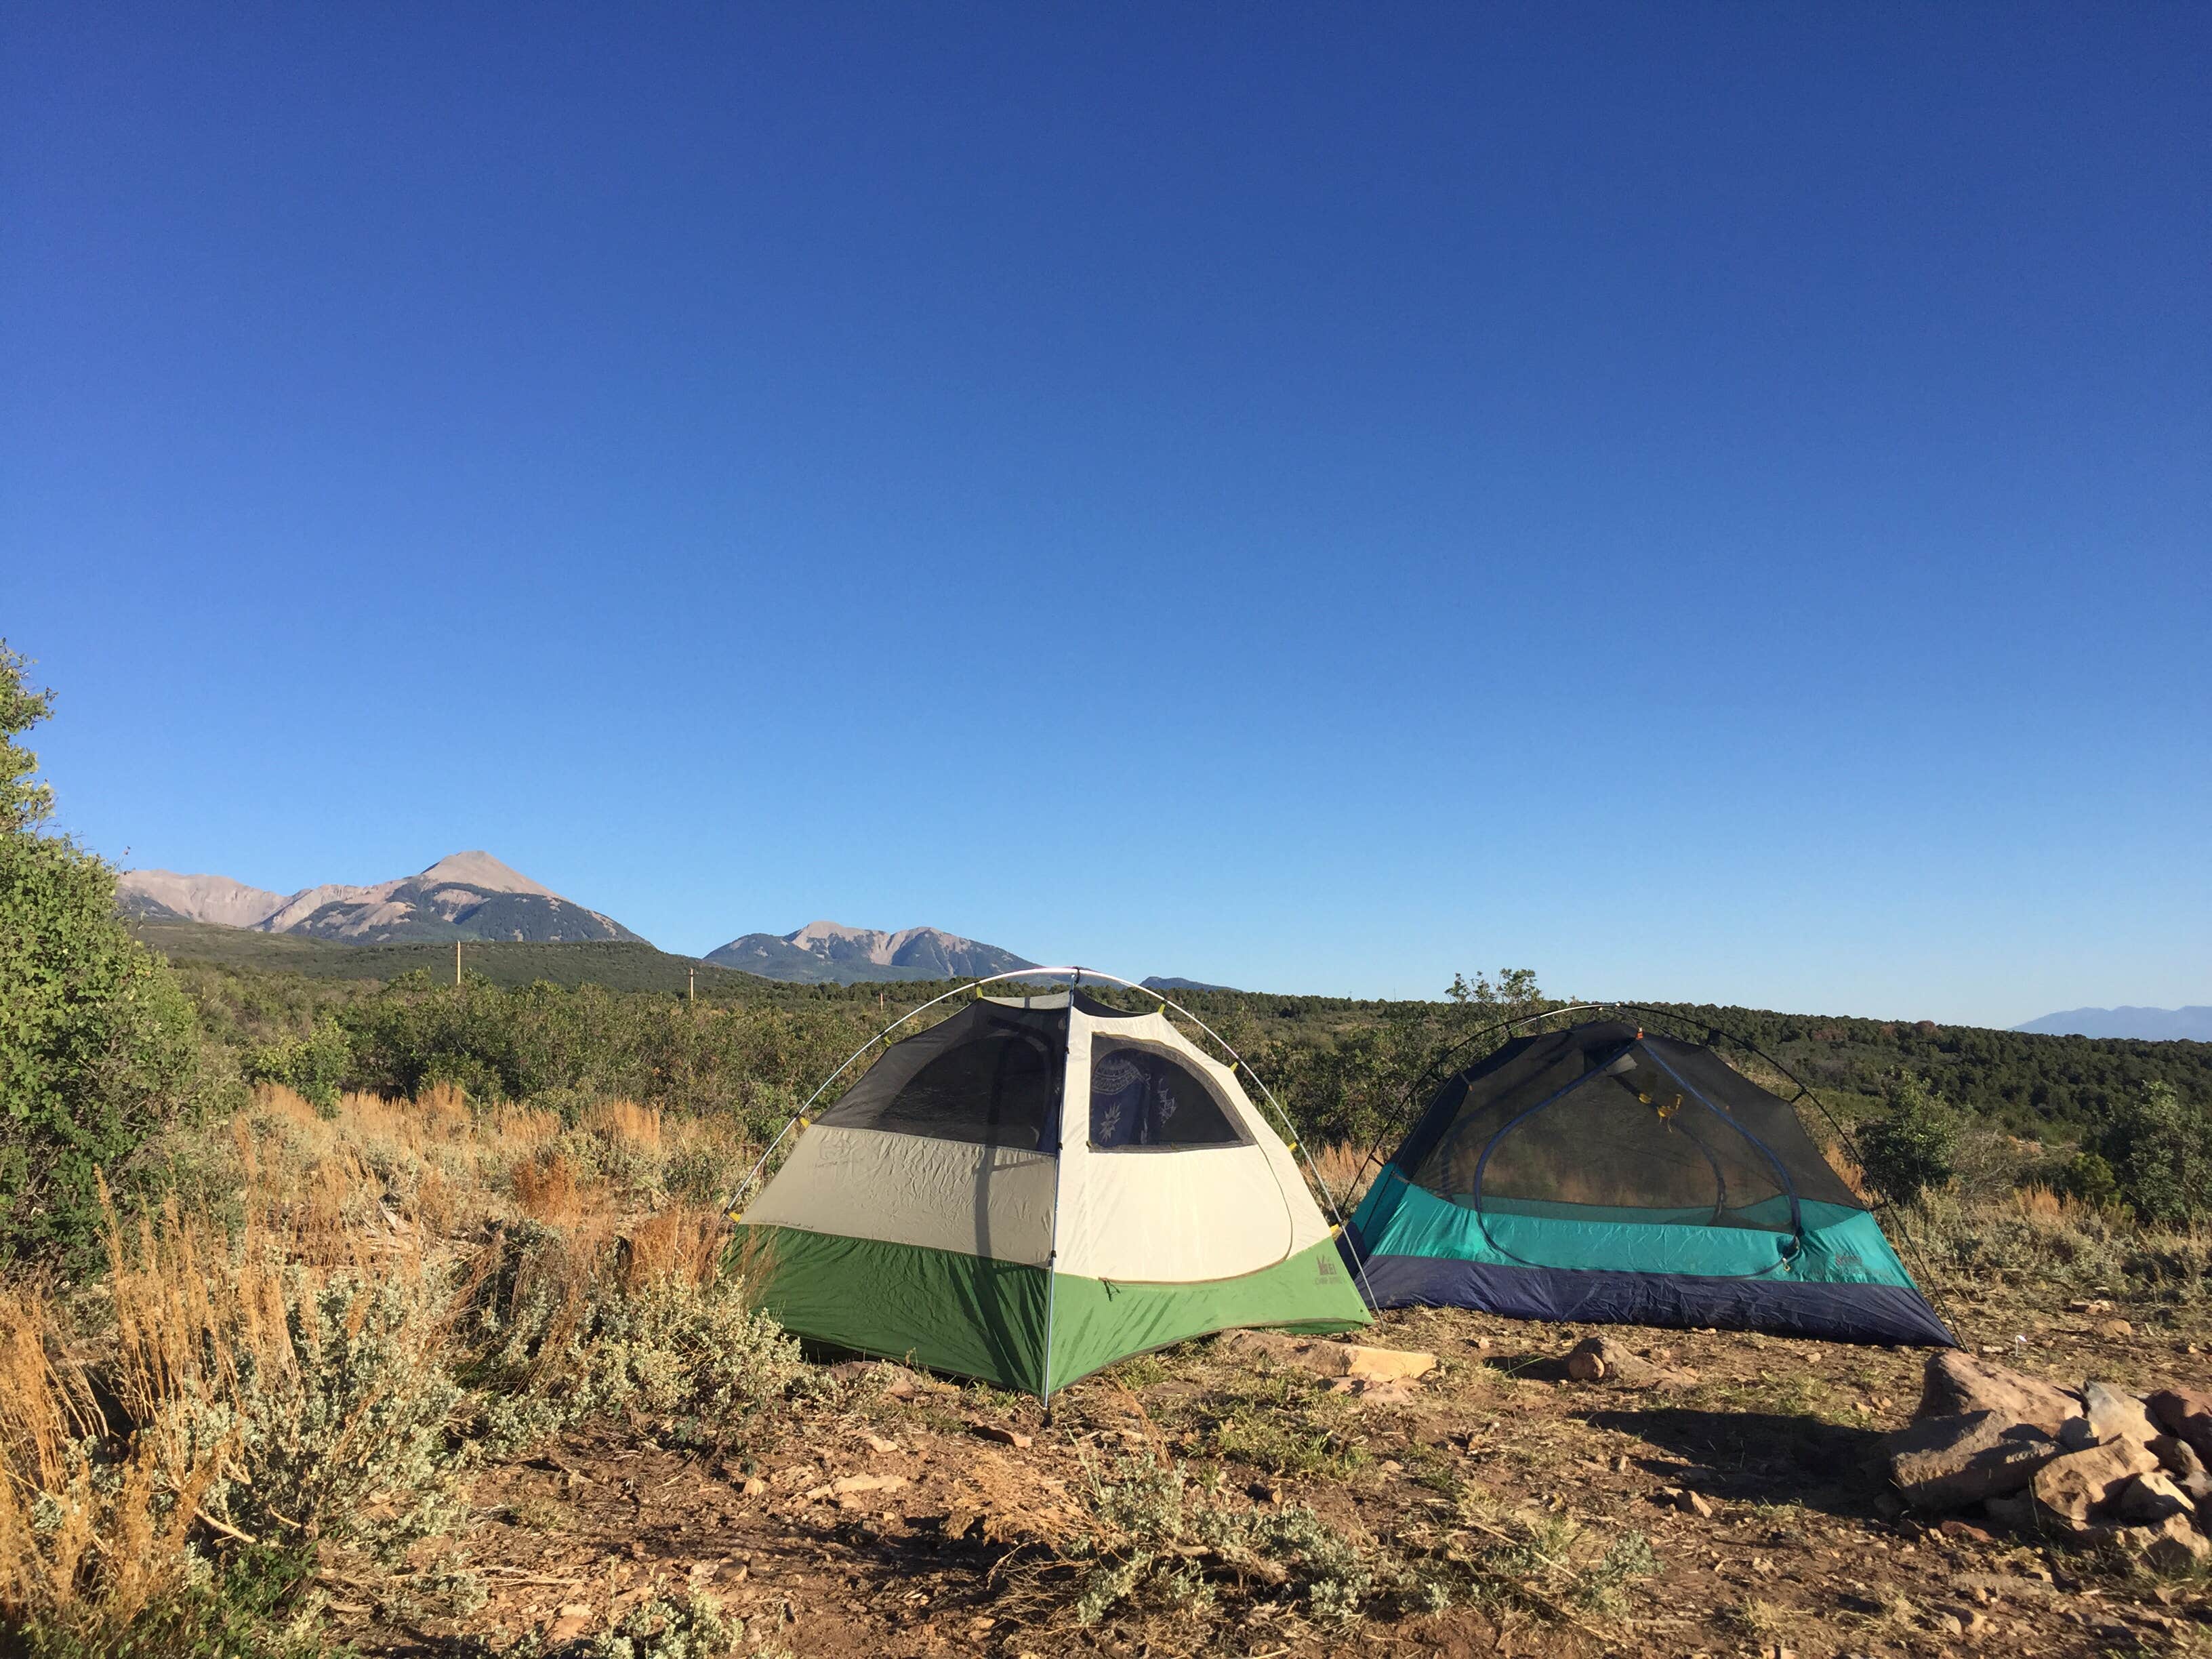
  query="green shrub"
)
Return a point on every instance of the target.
[
  {"x": 2160, "y": 1149},
  {"x": 342, "y": 1430},
  {"x": 252, "y": 1607},
  {"x": 2090, "y": 1178},
  {"x": 314, "y": 1067},
  {"x": 98, "y": 1046},
  {"x": 691, "y": 1627},
  {"x": 563, "y": 1341},
  {"x": 1912, "y": 1148},
  {"x": 1156, "y": 1547}
]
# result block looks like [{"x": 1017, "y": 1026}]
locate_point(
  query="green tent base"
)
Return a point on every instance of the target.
[{"x": 975, "y": 1316}]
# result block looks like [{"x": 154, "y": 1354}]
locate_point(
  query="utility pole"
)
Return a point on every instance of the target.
[
  {"x": 694, "y": 993},
  {"x": 457, "y": 962}
]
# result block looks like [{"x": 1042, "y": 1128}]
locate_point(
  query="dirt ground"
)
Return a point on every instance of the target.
[{"x": 1759, "y": 1485}]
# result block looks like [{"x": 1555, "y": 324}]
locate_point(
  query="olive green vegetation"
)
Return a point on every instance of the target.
[
  {"x": 1345, "y": 1064},
  {"x": 1346, "y": 1070},
  {"x": 1914, "y": 1146},
  {"x": 621, "y": 965},
  {"x": 97, "y": 1045}
]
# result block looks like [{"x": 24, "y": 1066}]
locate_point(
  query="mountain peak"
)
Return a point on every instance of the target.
[
  {"x": 826, "y": 950},
  {"x": 828, "y": 930},
  {"x": 483, "y": 871},
  {"x": 468, "y": 895},
  {"x": 2190, "y": 1024}
]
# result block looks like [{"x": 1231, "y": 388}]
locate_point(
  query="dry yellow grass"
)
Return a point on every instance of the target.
[
  {"x": 1346, "y": 1170},
  {"x": 684, "y": 1243},
  {"x": 627, "y": 1122},
  {"x": 2039, "y": 1203},
  {"x": 546, "y": 1188},
  {"x": 196, "y": 1327}
]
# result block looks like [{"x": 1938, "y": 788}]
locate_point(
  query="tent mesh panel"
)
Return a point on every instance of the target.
[
  {"x": 990, "y": 1075},
  {"x": 1141, "y": 1095},
  {"x": 1641, "y": 1128}
]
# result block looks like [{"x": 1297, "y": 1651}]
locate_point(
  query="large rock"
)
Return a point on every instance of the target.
[
  {"x": 2174, "y": 1545},
  {"x": 1947, "y": 1462},
  {"x": 2177, "y": 1457},
  {"x": 2114, "y": 1415},
  {"x": 2187, "y": 1415},
  {"x": 2075, "y": 1489},
  {"x": 1957, "y": 1383},
  {"x": 2149, "y": 1499}
]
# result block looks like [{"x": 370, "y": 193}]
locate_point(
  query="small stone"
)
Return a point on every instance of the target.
[
  {"x": 1325, "y": 1359},
  {"x": 754, "y": 1486},
  {"x": 2087, "y": 1305},
  {"x": 1003, "y": 1436},
  {"x": 1385, "y": 1365},
  {"x": 876, "y": 1443},
  {"x": 2113, "y": 1330},
  {"x": 572, "y": 1622},
  {"x": 2075, "y": 1434},
  {"x": 848, "y": 1485},
  {"x": 1601, "y": 1359},
  {"x": 897, "y": 1382}
]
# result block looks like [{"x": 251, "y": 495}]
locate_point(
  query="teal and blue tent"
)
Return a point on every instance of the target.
[{"x": 1601, "y": 1173}]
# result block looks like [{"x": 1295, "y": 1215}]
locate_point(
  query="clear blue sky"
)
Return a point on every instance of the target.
[{"x": 1705, "y": 501}]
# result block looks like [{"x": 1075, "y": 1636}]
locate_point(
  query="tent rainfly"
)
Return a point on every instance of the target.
[
  {"x": 1599, "y": 1174},
  {"x": 947, "y": 1209}
]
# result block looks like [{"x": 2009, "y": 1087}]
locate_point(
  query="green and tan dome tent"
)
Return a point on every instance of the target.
[{"x": 1038, "y": 1186}]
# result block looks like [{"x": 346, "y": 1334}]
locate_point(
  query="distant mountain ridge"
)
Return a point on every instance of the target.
[
  {"x": 2190, "y": 1024},
  {"x": 465, "y": 895},
  {"x": 829, "y": 950}
]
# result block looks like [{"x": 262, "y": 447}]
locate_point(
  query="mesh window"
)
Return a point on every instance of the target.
[
  {"x": 989, "y": 1075},
  {"x": 1603, "y": 1120},
  {"x": 1609, "y": 1144},
  {"x": 1143, "y": 1097}
]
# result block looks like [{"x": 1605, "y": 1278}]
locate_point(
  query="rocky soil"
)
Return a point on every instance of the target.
[{"x": 905, "y": 1517}]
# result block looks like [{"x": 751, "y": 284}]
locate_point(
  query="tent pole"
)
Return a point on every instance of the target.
[{"x": 1059, "y": 1171}]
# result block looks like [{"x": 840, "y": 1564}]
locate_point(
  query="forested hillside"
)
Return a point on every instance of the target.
[{"x": 534, "y": 1018}]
